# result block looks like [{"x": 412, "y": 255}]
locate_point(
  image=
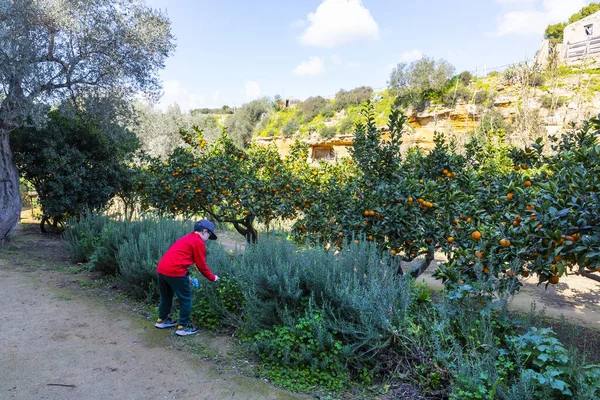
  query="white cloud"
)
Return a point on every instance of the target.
[
  {"x": 411, "y": 55},
  {"x": 525, "y": 17},
  {"x": 252, "y": 89},
  {"x": 337, "y": 22},
  {"x": 314, "y": 66},
  {"x": 174, "y": 92}
]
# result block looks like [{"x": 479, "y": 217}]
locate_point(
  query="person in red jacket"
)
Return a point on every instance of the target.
[{"x": 173, "y": 279}]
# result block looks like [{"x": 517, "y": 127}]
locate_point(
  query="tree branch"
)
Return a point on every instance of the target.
[{"x": 588, "y": 275}]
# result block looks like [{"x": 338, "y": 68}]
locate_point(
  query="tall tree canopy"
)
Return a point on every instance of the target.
[{"x": 52, "y": 50}]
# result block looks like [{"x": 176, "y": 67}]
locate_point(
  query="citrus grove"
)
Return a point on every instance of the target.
[{"x": 496, "y": 212}]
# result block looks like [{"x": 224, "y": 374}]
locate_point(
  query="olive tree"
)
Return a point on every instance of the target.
[
  {"x": 52, "y": 50},
  {"x": 414, "y": 82}
]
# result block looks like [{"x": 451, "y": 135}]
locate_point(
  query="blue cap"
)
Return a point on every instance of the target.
[{"x": 206, "y": 224}]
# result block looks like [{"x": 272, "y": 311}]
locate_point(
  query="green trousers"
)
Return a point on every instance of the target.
[{"x": 169, "y": 286}]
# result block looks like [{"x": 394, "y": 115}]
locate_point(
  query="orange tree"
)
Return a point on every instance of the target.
[
  {"x": 378, "y": 196},
  {"x": 493, "y": 224},
  {"x": 241, "y": 186}
]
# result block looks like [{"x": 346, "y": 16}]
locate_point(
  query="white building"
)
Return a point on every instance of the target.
[
  {"x": 581, "y": 39},
  {"x": 581, "y": 43}
]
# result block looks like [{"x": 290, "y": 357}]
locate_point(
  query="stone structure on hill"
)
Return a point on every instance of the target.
[{"x": 581, "y": 43}]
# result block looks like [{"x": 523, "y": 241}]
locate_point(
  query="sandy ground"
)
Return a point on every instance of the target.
[
  {"x": 574, "y": 297},
  {"x": 60, "y": 343}
]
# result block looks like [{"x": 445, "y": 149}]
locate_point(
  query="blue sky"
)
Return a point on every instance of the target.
[{"x": 233, "y": 51}]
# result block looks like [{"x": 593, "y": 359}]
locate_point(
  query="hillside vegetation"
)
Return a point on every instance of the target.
[{"x": 523, "y": 101}]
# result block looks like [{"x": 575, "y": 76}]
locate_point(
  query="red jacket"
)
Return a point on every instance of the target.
[{"x": 188, "y": 250}]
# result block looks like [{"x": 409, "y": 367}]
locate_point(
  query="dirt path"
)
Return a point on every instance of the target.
[
  {"x": 574, "y": 297},
  {"x": 60, "y": 343}
]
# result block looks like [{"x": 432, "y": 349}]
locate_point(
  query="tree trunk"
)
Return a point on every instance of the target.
[
  {"x": 245, "y": 228},
  {"x": 10, "y": 199}
]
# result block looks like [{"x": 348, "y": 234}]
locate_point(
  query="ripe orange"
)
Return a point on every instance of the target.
[
  {"x": 553, "y": 279},
  {"x": 504, "y": 242},
  {"x": 450, "y": 239},
  {"x": 569, "y": 237},
  {"x": 393, "y": 252},
  {"x": 341, "y": 234},
  {"x": 530, "y": 207},
  {"x": 516, "y": 167},
  {"x": 479, "y": 254},
  {"x": 486, "y": 270},
  {"x": 527, "y": 183},
  {"x": 509, "y": 196},
  {"x": 410, "y": 199},
  {"x": 476, "y": 235}
]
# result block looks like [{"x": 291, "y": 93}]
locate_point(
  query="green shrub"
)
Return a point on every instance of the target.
[
  {"x": 290, "y": 128},
  {"x": 346, "y": 127},
  {"x": 138, "y": 256},
  {"x": 82, "y": 235},
  {"x": 536, "y": 80},
  {"x": 549, "y": 101},
  {"x": 480, "y": 97},
  {"x": 354, "y": 97},
  {"x": 452, "y": 96},
  {"x": 312, "y": 107},
  {"x": 302, "y": 355},
  {"x": 327, "y": 132},
  {"x": 550, "y": 368}
]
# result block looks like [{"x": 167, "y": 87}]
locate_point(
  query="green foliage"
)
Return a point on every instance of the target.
[
  {"x": 242, "y": 124},
  {"x": 586, "y": 11},
  {"x": 312, "y": 107},
  {"x": 419, "y": 81},
  {"x": 354, "y": 97},
  {"x": 83, "y": 234},
  {"x": 327, "y": 132},
  {"x": 346, "y": 127},
  {"x": 384, "y": 163},
  {"x": 302, "y": 356},
  {"x": 290, "y": 128},
  {"x": 73, "y": 164},
  {"x": 493, "y": 121},
  {"x": 465, "y": 77},
  {"x": 553, "y": 102},
  {"x": 460, "y": 93},
  {"x": 550, "y": 368},
  {"x": 555, "y": 32}
]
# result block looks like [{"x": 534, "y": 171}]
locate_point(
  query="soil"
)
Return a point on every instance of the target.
[{"x": 61, "y": 338}]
